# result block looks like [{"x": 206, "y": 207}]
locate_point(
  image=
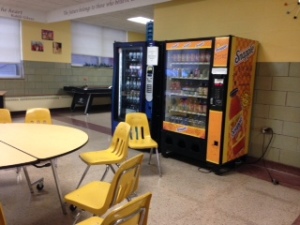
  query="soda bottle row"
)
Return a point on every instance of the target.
[
  {"x": 133, "y": 97},
  {"x": 134, "y": 69},
  {"x": 193, "y": 106},
  {"x": 135, "y": 55},
  {"x": 188, "y": 72},
  {"x": 190, "y": 56},
  {"x": 189, "y": 121},
  {"x": 189, "y": 88},
  {"x": 133, "y": 83}
]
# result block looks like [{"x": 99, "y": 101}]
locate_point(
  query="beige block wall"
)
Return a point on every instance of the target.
[
  {"x": 266, "y": 21},
  {"x": 277, "y": 105},
  {"x": 132, "y": 36},
  {"x": 48, "y": 78},
  {"x": 277, "y": 92},
  {"x": 32, "y": 31}
]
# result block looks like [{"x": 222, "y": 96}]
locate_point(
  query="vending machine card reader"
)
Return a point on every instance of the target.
[
  {"x": 217, "y": 92},
  {"x": 149, "y": 90}
]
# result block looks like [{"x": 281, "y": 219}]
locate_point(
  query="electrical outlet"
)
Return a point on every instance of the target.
[{"x": 266, "y": 130}]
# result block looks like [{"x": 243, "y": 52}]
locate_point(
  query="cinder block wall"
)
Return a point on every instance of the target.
[
  {"x": 46, "y": 78},
  {"x": 277, "y": 105}
]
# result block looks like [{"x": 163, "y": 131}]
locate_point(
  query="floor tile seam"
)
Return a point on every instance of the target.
[{"x": 84, "y": 124}]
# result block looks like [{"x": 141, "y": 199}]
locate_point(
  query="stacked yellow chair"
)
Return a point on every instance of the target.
[
  {"x": 134, "y": 212},
  {"x": 5, "y": 116},
  {"x": 38, "y": 115},
  {"x": 116, "y": 153},
  {"x": 98, "y": 196},
  {"x": 140, "y": 137}
]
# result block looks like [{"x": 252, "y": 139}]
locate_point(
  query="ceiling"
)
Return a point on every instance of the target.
[{"x": 114, "y": 20}]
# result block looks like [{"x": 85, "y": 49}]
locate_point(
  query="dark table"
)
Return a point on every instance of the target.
[
  {"x": 2, "y": 93},
  {"x": 84, "y": 95}
]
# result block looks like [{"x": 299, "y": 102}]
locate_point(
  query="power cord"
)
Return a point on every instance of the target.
[{"x": 266, "y": 131}]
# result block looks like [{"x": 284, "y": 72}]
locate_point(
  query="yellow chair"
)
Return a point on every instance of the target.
[
  {"x": 98, "y": 196},
  {"x": 134, "y": 212},
  {"x": 2, "y": 216},
  {"x": 116, "y": 153},
  {"x": 38, "y": 115},
  {"x": 5, "y": 116},
  {"x": 140, "y": 137}
]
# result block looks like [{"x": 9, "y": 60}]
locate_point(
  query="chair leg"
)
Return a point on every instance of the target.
[
  {"x": 158, "y": 162},
  {"x": 105, "y": 172},
  {"x": 112, "y": 168},
  {"x": 150, "y": 157},
  {"x": 77, "y": 217},
  {"x": 83, "y": 175}
]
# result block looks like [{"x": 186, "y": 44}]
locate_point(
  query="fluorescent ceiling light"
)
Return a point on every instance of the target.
[{"x": 139, "y": 19}]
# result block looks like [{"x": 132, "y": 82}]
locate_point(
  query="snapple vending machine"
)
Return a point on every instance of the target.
[{"x": 208, "y": 98}]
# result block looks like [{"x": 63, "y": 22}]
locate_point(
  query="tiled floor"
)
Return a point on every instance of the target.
[{"x": 184, "y": 195}]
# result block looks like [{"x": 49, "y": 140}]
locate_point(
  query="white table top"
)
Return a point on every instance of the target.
[
  {"x": 11, "y": 157},
  {"x": 42, "y": 141}
]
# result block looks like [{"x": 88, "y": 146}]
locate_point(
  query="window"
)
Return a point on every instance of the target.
[
  {"x": 10, "y": 48},
  {"x": 93, "y": 46}
]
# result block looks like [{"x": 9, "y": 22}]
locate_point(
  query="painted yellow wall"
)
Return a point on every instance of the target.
[
  {"x": 266, "y": 21},
  {"x": 62, "y": 33},
  {"x": 136, "y": 37}
]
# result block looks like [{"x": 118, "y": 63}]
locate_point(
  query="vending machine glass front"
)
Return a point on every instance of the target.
[
  {"x": 130, "y": 80},
  {"x": 187, "y": 87}
]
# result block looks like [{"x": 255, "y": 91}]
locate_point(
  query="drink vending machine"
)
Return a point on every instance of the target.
[
  {"x": 138, "y": 82},
  {"x": 208, "y": 98}
]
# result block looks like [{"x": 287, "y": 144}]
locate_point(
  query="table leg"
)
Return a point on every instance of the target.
[
  {"x": 88, "y": 103},
  {"x": 27, "y": 179},
  {"x": 73, "y": 102},
  {"x": 58, "y": 186}
]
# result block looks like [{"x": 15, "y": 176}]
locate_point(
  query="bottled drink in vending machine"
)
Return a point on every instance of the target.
[
  {"x": 236, "y": 117},
  {"x": 127, "y": 83},
  {"x": 138, "y": 83}
]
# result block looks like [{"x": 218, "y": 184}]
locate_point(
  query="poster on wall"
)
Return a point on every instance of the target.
[
  {"x": 57, "y": 47},
  {"x": 37, "y": 46},
  {"x": 48, "y": 35}
]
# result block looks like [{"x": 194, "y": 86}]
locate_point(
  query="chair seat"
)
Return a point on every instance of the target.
[
  {"x": 101, "y": 157},
  {"x": 85, "y": 197},
  {"x": 142, "y": 143},
  {"x": 92, "y": 221}
]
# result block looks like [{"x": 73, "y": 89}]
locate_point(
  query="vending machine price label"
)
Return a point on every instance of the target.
[{"x": 152, "y": 56}]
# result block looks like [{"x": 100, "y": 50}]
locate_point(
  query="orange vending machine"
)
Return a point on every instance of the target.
[{"x": 208, "y": 98}]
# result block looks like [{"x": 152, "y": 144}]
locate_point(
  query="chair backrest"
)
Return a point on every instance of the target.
[
  {"x": 134, "y": 212},
  {"x": 2, "y": 216},
  {"x": 125, "y": 180},
  {"x": 38, "y": 115},
  {"x": 5, "y": 116},
  {"x": 119, "y": 143},
  {"x": 139, "y": 126}
]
